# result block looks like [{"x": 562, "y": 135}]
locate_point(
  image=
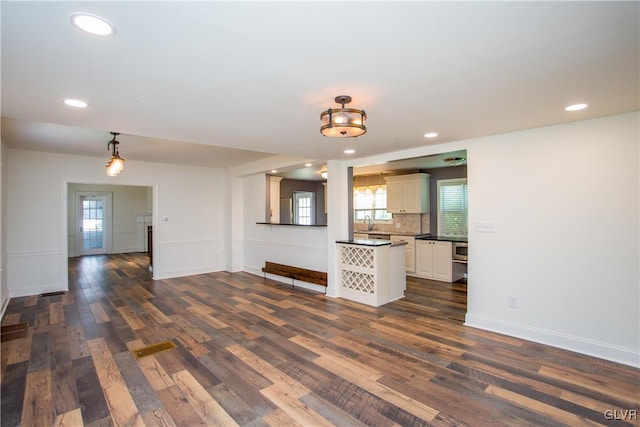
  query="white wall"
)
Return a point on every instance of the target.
[
  {"x": 128, "y": 201},
  {"x": 564, "y": 201},
  {"x": 304, "y": 247},
  {"x": 337, "y": 219},
  {"x": 234, "y": 225},
  {"x": 190, "y": 241}
]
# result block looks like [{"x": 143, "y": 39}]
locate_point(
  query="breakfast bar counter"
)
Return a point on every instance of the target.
[{"x": 371, "y": 271}]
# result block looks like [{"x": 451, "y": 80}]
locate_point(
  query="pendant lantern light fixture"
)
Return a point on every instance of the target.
[
  {"x": 343, "y": 122},
  {"x": 115, "y": 165}
]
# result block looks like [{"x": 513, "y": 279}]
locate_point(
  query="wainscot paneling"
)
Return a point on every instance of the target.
[
  {"x": 257, "y": 252},
  {"x": 184, "y": 258},
  {"x": 126, "y": 241},
  {"x": 33, "y": 273}
]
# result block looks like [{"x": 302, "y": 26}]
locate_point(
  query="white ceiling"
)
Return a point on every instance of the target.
[{"x": 225, "y": 83}]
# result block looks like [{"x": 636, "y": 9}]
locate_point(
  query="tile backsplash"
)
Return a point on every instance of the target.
[{"x": 409, "y": 224}]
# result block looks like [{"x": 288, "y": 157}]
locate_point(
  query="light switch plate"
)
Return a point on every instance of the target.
[
  {"x": 513, "y": 301},
  {"x": 484, "y": 227}
]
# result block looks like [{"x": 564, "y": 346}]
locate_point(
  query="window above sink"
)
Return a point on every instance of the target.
[{"x": 370, "y": 201}]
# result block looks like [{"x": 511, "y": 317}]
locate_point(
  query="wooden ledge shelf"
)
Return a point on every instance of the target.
[{"x": 295, "y": 273}]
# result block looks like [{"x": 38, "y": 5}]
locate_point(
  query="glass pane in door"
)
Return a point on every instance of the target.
[{"x": 92, "y": 226}]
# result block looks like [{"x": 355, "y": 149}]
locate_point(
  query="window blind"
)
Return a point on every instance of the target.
[{"x": 453, "y": 207}]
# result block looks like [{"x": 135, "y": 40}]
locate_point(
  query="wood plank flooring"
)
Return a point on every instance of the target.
[{"x": 253, "y": 352}]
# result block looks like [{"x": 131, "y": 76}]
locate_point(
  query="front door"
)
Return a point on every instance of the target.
[{"x": 93, "y": 224}]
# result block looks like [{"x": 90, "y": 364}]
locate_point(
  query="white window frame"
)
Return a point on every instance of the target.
[
  {"x": 452, "y": 182},
  {"x": 371, "y": 210},
  {"x": 297, "y": 196}
]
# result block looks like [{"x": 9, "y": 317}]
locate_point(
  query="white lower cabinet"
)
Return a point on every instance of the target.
[
  {"x": 410, "y": 250},
  {"x": 434, "y": 261}
]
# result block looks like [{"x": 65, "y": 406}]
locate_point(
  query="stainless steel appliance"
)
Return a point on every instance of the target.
[
  {"x": 286, "y": 211},
  {"x": 460, "y": 251}
]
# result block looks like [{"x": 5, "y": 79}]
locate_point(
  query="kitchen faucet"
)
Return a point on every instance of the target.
[{"x": 370, "y": 224}]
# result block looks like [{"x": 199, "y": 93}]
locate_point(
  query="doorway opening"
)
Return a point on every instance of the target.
[
  {"x": 93, "y": 223},
  {"x": 108, "y": 219},
  {"x": 421, "y": 212}
]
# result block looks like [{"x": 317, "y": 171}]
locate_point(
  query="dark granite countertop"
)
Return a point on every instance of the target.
[
  {"x": 365, "y": 242},
  {"x": 289, "y": 224},
  {"x": 444, "y": 238},
  {"x": 390, "y": 233}
]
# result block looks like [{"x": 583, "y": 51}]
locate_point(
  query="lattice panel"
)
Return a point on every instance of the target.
[
  {"x": 356, "y": 281},
  {"x": 358, "y": 256}
]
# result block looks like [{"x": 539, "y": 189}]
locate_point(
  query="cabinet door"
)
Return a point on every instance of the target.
[
  {"x": 410, "y": 251},
  {"x": 411, "y": 258},
  {"x": 424, "y": 258},
  {"x": 394, "y": 197},
  {"x": 408, "y": 193},
  {"x": 442, "y": 260},
  {"x": 412, "y": 196}
]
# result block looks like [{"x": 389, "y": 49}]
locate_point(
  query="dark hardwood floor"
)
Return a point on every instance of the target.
[{"x": 251, "y": 351}]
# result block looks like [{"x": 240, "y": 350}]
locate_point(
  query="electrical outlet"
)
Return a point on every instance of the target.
[
  {"x": 397, "y": 225},
  {"x": 513, "y": 301}
]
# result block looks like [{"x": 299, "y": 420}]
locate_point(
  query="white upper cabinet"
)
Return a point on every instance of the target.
[{"x": 408, "y": 193}]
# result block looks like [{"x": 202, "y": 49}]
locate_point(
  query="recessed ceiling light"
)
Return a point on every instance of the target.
[
  {"x": 274, "y": 170},
  {"x": 431, "y": 134},
  {"x": 575, "y": 107},
  {"x": 308, "y": 165},
  {"x": 75, "y": 103},
  {"x": 92, "y": 24},
  {"x": 349, "y": 151}
]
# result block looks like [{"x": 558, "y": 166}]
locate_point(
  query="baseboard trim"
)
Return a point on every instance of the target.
[
  {"x": 614, "y": 353},
  {"x": 181, "y": 273},
  {"x": 36, "y": 290}
]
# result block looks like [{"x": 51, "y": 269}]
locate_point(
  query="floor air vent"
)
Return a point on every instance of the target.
[
  {"x": 153, "y": 349},
  {"x": 52, "y": 294}
]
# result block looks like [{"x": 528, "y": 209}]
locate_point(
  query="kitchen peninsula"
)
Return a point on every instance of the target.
[{"x": 371, "y": 271}]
